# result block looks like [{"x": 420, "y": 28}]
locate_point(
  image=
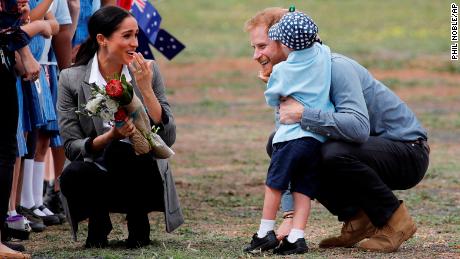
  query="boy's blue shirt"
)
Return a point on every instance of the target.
[{"x": 305, "y": 76}]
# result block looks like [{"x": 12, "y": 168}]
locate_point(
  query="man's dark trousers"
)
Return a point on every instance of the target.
[{"x": 362, "y": 176}]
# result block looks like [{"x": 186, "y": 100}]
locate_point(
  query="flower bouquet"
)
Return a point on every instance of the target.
[{"x": 117, "y": 101}]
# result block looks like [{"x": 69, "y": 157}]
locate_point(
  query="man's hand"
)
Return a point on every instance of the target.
[
  {"x": 290, "y": 111},
  {"x": 284, "y": 228}
]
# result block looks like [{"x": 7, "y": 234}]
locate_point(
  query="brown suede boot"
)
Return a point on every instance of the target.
[
  {"x": 389, "y": 238},
  {"x": 353, "y": 231}
]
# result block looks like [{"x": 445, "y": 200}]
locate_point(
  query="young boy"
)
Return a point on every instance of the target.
[{"x": 305, "y": 76}]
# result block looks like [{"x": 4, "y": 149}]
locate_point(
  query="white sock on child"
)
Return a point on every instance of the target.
[
  {"x": 12, "y": 213},
  {"x": 266, "y": 225},
  {"x": 295, "y": 234},
  {"x": 27, "y": 198},
  {"x": 47, "y": 211},
  {"x": 39, "y": 213},
  {"x": 37, "y": 182}
]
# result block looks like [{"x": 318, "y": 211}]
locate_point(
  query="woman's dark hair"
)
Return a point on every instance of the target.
[{"x": 104, "y": 21}]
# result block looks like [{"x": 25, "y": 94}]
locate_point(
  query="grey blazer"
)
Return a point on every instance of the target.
[{"x": 76, "y": 130}]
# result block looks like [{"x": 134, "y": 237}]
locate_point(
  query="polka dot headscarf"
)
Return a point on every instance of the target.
[{"x": 295, "y": 30}]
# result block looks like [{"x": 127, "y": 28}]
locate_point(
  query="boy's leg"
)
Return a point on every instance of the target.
[
  {"x": 265, "y": 238},
  {"x": 295, "y": 242},
  {"x": 302, "y": 205},
  {"x": 272, "y": 201}
]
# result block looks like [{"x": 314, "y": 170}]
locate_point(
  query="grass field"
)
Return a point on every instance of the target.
[{"x": 223, "y": 124}]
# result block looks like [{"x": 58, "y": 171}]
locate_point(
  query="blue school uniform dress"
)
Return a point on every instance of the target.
[
  {"x": 306, "y": 77},
  {"x": 87, "y": 8},
  {"x": 22, "y": 145},
  {"x": 48, "y": 61},
  {"x": 40, "y": 110}
]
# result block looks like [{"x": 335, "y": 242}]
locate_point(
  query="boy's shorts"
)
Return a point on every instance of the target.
[{"x": 296, "y": 162}]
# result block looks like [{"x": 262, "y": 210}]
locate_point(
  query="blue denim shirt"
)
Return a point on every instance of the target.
[{"x": 364, "y": 107}]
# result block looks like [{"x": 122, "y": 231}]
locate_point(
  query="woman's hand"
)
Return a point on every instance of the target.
[
  {"x": 126, "y": 130},
  {"x": 142, "y": 70}
]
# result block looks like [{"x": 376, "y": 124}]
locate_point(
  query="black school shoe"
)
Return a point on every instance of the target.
[
  {"x": 287, "y": 248},
  {"x": 263, "y": 244},
  {"x": 48, "y": 220}
]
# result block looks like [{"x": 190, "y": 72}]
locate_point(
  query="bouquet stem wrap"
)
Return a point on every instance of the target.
[{"x": 144, "y": 139}]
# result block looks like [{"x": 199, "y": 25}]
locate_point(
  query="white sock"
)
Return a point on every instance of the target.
[
  {"x": 39, "y": 213},
  {"x": 47, "y": 211},
  {"x": 12, "y": 213},
  {"x": 266, "y": 225},
  {"x": 27, "y": 198},
  {"x": 295, "y": 234},
  {"x": 37, "y": 183}
]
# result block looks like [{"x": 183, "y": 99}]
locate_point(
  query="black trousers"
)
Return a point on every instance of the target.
[
  {"x": 132, "y": 184},
  {"x": 8, "y": 142},
  {"x": 363, "y": 176}
]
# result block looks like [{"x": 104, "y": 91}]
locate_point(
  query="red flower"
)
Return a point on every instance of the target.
[
  {"x": 114, "y": 88},
  {"x": 120, "y": 115}
]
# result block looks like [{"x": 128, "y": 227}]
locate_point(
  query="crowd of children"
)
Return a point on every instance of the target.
[{"x": 49, "y": 29}]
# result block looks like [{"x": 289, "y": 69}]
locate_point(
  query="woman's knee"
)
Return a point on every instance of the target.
[
  {"x": 334, "y": 152},
  {"x": 71, "y": 174}
]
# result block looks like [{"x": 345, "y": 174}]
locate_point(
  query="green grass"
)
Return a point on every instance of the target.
[
  {"x": 383, "y": 33},
  {"x": 223, "y": 125}
]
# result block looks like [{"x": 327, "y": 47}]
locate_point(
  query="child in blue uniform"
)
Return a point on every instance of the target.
[{"x": 305, "y": 76}]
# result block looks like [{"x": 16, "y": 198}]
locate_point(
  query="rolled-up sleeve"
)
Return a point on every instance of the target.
[{"x": 350, "y": 120}]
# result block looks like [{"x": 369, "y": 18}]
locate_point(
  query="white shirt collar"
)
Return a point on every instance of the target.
[{"x": 96, "y": 76}]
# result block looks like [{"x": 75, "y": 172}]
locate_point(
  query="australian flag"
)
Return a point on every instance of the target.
[
  {"x": 167, "y": 44},
  {"x": 144, "y": 46},
  {"x": 149, "y": 20},
  {"x": 147, "y": 17}
]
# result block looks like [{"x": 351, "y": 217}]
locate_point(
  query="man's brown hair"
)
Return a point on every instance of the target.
[{"x": 266, "y": 17}]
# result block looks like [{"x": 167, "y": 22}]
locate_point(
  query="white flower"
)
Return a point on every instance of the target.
[
  {"x": 112, "y": 105},
  {"x": 106, "y": 115},
  {"x": 93, "y": 104}
]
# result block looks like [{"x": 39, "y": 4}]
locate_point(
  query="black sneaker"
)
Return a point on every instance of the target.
[
  {"x": 263, "y": 244},
  {"x": 287, "y": 248}
]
